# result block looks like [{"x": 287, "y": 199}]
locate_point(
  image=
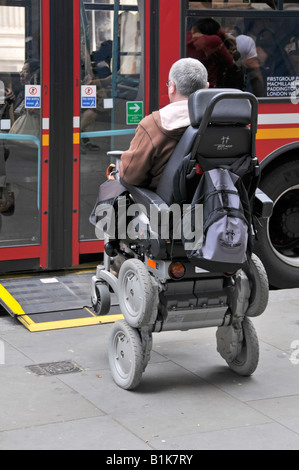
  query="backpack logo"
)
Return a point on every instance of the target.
[
  {"x": 229, "y": 240},
  {"x": 224, "y": 144},
  {"x": 225, "y": 140}
]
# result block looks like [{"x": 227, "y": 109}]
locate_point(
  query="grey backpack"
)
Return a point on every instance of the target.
[{"x": 226, "y": 241}]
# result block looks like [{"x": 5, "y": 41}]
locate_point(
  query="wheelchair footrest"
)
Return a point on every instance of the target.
[
  {"x": 192, "y": 318},
  {"x": 263, "y": 205}
]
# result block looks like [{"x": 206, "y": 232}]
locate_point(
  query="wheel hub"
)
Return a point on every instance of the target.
[
  {"x": 123, "y": 355},
  {"x": 134, "y": 293},
  {"x": 282, "y": 227},
  {"x": 290, "y": 221}
]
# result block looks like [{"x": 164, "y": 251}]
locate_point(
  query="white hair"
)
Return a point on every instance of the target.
[{"x": 188, "y": 75}]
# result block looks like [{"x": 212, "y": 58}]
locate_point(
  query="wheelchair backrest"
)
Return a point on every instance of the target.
[{"x": 223, "y": 128}]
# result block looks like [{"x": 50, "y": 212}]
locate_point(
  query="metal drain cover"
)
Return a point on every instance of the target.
[{"x": 55, "y": 368}]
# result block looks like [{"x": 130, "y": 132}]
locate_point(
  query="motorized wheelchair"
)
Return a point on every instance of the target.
[{"x": 158, "y": 287}]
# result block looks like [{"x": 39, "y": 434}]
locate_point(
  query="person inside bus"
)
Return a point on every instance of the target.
[
  {"x": 26, "y": 121},
  {"x": 28, "y": 75},
  {"x": 6, "y": 194},
  {"x": 273, "y": 58},
  {"x": 23, "y": 122},
  {"x": 205, "y": 42},
  {"x": 247, "y": 49},
  {"x": 157, "y": 134}
]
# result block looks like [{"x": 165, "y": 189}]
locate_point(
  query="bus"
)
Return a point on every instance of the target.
[{"x": 76, "y": 77}]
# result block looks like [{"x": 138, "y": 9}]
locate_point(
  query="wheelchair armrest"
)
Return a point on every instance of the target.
[
  {"x": 263, "y": 205},
  {"x": 146, "y": 197},
  {"x": 115, "y": 153},
  {"x": 116, "y": 156},
  {"x": 156, "y": 208}
]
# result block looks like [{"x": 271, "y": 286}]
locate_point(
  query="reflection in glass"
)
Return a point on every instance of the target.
[
  {"x": 20, "y": 124},
  {"x": 236, "y": 4},
  {"x": 111, "y": 39},
  {"x": 266, "y": 50},
  {"x": 114, "y": 48},
  {"x": 245, "y": 5}
]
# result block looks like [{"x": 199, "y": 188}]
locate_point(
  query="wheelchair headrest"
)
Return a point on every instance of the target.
[{"x": 228, "y": 110}]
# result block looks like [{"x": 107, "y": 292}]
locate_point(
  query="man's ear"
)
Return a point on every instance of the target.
[
  {"x": 172, "y": 87},
  {"x": 208, "y": 85}
]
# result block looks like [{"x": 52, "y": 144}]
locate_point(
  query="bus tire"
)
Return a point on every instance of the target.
[{"x": 277, "y": 242}]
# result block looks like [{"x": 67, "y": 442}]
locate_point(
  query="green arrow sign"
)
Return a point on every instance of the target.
[{"x": 134, "y": 112}]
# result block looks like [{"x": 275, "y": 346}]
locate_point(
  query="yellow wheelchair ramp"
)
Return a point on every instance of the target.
[{"x": 55, "y": 301}]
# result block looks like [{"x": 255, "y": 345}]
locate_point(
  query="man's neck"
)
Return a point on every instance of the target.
[{"x": 177, "y": 97}]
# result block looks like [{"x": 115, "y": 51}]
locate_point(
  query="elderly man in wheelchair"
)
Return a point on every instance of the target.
[{"x": 186, "y": 240}]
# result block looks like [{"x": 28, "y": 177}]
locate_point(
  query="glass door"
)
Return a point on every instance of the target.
[
  {"x": 21, "y": 149},
  {"x": 111, "y": 96}
]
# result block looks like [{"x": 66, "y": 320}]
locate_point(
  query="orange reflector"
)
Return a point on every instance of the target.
[
  {"x": 109, "y": 171},
  {"x": 151, "y": 263},
  {"x": 177, "y": 270}
]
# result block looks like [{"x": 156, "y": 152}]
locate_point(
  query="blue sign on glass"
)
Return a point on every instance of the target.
[
  {"x": 88, "y": 96},
  {"x": 32, "y": 96},
  {"x": 32, "y": 102},
  {"x": 88, "y": 102}
]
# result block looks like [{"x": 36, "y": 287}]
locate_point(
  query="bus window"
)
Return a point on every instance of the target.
[
  {"x": 260, "y": 55},
  {"x": 236, "y": 4},
  {"x": 114, "y": 47},
  {"x": 245, "y": 4},
  {"x": 20, "y": 123}
]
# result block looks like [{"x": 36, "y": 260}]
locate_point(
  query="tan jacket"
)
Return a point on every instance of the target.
[{"x": 155, "y": 139}]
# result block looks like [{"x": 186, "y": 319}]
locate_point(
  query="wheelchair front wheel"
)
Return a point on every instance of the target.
[
  {"x": 136, "y": 293},
  {"x": 125, "y": 355},
  {"x": 101, "y": 305},
  {"x": 247, "y": 360}
]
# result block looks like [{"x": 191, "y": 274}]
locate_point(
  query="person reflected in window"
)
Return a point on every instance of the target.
[
  {"x": 26, "y": 121},
  {"x": 6, "y": 193},
  {"x": 29, "y": 74},
  {"x": 246, "y": 47},
  {"x": 274, "y": 60},
  {"x": 205, "y": 43}
]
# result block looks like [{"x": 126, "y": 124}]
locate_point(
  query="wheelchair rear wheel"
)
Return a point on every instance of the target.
[
  {"x": 259, "y": 287},
  {"x": 135, "y": 293},
  {"x": 247, "y": 360},
  {"x": 125, "y": 355}
]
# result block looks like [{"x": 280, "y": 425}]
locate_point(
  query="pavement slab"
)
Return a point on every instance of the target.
[{"x": 188, "y": 398}]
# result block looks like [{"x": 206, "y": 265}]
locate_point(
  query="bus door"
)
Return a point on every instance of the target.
[
  {"x": 109, "y": 103},
  {"x": 22, "y": 236}
]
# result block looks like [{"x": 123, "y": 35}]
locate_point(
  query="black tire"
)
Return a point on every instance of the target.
[
  {"x": 259, "y": 287},
  {"x": 136, "y": 293},
  {"x": 125, "y": 354},
  {"x": 102, "y": 305},
  {"x": 246, "y": 362},
  {"x": 278, "y": 237}
]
